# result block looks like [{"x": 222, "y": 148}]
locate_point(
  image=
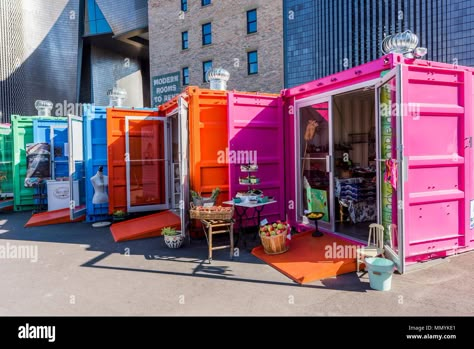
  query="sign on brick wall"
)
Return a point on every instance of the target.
[{"x": 164, "y": 87}]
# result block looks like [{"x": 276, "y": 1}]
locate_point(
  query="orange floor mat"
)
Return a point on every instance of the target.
[
  {"x": 307, "y": 260},
  {"x": 144, "y": 227},
  {"x": 52, "y": 217}
]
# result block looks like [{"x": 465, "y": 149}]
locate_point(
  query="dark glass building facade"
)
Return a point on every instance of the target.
[
  {"x": 323, "y": 37},
  {"x": 70, "y": 52}
]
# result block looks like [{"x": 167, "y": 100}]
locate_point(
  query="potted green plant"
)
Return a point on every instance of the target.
[
  {"x": 119, "y": 215},
  {"x": 173, "y": 238},
  {"x": 198, "y": 200}
]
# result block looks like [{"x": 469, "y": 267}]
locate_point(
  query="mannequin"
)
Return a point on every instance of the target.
[{"x": 100, "y": 182}]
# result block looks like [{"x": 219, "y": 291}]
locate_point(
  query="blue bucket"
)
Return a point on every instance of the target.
[{"x": 380, "y": 273}]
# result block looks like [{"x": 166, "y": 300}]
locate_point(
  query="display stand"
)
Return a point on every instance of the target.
[{"x": 250, "y": 180}]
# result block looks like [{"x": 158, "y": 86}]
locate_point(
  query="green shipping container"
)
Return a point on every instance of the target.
[{"x": 6, "y": 157}]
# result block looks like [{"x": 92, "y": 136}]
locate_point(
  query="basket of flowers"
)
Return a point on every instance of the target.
[{"x": 273, "y": 237}]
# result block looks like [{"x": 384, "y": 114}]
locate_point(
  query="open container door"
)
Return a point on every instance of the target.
[
  {"x": 389, "y": 159},
  {"x": 76, "y": 167},
  {"x": 436, "y": 138},
  {"x": 183, "y": 127},
  {"x": 147, "y": 163}
]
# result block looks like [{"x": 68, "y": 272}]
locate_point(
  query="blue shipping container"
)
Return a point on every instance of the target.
[{"x": 95, "y": 155}]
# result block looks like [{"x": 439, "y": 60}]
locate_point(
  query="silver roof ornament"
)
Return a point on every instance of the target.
[
  {"x": 117, "y": 96},
  {"x": 218, "y": 78},
  {"x": 43, "y": 107},
  {"x": 404, "y": 43}
]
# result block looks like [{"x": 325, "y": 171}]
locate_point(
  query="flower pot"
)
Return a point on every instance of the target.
[{"x": 174, "y": 241}]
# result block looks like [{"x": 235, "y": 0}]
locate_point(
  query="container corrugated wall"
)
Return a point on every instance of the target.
[
  {"x": 22, "y": 130},
  {"x": 116, "y": 154},
  {"x": 256, "y": 136},
  {"x": 95, "y": 155},
  {"x": 209, "y": 137},
  {"x": 6, "y": 157},
  {"x": 42, "y": 134}
]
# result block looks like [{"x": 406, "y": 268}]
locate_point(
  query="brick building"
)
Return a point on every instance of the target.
[{"x": 244, "y": 37}]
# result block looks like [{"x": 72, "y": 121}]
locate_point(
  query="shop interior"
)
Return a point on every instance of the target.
[
  {"x": 354, "y": 153},
  {"x": 354, "y": 169}
]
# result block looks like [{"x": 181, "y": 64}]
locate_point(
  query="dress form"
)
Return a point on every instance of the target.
[{"x": 100, "y": 183}]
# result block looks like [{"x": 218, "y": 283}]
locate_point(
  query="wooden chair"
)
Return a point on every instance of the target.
[
  {"x": 212, "y": 227},
  {"x": 374, "y": 246}
]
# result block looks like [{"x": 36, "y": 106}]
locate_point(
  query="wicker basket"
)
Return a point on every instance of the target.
[
  {"x": 274, "y": 244},
  {"x": 204, "y": 214}
]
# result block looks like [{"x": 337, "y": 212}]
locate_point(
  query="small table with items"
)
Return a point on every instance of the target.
[{"x": 241, "y": 209}]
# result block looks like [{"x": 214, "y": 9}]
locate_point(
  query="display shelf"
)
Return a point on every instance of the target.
[
  {"x": 249, "y": 180},
  {"x": 176, "y": 185}
]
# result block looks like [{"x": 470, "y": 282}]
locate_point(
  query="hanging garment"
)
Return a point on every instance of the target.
[{"x": 391, "y": 172}]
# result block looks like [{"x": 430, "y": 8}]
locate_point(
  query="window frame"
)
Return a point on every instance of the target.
[
  {"x": 184, "y": 76},
  {"x": 204, "y": 71},
  {"x": 251, "y": 64},
  {"x": 184, "y": 5},
  {"x": 205, "y": 35},
  {"x": 249, "y": 23},
  {"x": 184, "y": 41}
]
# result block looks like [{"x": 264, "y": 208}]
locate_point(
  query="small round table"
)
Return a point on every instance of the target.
[{"x": 320, "y": 215}]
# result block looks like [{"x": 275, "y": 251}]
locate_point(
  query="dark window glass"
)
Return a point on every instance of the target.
[
  {"x": 206, "y": 66},
  {"x": 185, "y": 73},
  {"x": 184, "y": 5},
  {"x": 207, "y": 34},
  {"x": 205, "y": 2},
  {"x": 252, "y": 59},
  {"x": 95, "y": 22},
  {"x": 251, "y": 21},
  {"x": 184, "y": 40}
]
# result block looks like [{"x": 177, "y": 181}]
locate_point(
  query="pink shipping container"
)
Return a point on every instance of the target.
[{"x": 389, "y": 142}]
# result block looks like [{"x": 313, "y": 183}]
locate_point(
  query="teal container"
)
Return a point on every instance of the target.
[
  {"x": 6, "y": 157},
  {"x": 380, "y": 273},
  {"x": 22, "y": 134}
]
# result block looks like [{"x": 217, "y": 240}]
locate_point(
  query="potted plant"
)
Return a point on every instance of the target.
[
  {"x": 173, "y": 238},
  {"x": 198, "y": 200},
  {"x": 119, "y": 215}
]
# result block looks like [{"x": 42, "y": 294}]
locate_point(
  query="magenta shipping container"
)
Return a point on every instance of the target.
[{"x": 387, "y": 142}]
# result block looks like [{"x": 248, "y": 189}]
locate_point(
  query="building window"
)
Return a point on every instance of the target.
[
  {"x": 252, "y": 62},
  {"x": 207, "y": 34},
  {"x": 94, "y": 21},
  {"x": 251, "y": 21},
  {"x": 185, "y": 72},
  {"x": 206, "y": 66},
  {"x": 184, "y": 40},
  {"x": 205, "y": 2},
  {"x": 184, "y": 5}
]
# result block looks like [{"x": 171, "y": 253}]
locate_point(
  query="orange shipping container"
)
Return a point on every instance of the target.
[
  {"x": 135, "y": 159},
  {"x": 208, "y": 139}
]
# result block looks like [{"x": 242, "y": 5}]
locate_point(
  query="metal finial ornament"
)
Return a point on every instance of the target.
[
  {"x": 404, "y": 43},
  {"x": 116, "y": 96},
  {"x": 218, "y": 78},
  {"x": 43, "y": 107}
]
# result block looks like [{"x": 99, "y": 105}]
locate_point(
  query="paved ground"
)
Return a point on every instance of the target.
[{"x": 82, "y": 271}]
